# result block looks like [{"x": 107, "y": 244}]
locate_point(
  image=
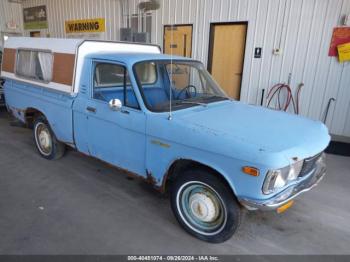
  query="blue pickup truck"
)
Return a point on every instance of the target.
[{"x": 164, "y": 119}]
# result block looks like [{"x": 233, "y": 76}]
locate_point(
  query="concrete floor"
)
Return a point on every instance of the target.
[{"x": 78, "y": 205}]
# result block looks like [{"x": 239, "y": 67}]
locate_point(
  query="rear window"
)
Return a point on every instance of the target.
[
  {"x": 147, "y": 73},
  {"x": 110, "y": 75},
  {"x": 34, "y": 65}
]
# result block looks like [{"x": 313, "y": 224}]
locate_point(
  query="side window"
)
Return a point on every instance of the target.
[
  {"x": 112, "y": 81},
  {"x": 34, "y": 65}
]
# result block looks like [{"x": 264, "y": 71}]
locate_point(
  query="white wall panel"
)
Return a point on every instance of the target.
[
  {"x": 10, "y": 12},
  {"x": 61, "y": 10},
  {"x": 302, "y": 28}
]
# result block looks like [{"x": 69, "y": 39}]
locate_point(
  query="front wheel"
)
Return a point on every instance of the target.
[
  {"x": 205, "y": 206},
  {"x": 45, "y": 140}
]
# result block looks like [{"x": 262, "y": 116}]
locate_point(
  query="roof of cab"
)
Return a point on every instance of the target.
[{"x": 132, "y": 58}]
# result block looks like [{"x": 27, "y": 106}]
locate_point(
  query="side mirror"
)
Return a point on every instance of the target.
[{"x": 115, "y": 105}]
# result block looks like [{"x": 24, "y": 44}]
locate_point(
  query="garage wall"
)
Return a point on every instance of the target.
[
  {"x": 10, "y": 12},
  {"x": 302, "y": 28},
  {"x": 59, "y": 11}
]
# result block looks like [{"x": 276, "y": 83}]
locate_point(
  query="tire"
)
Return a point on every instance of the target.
[
  {"x": 45, "y": 140},
  {"x": 212, "y": 214}
]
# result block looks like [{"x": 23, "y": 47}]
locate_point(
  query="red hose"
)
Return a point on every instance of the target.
[{"x": 277, "y": 90}]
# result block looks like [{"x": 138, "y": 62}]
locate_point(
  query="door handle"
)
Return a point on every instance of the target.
[
  {"x": 91, "y": 109},
  {"x": 125, "y": 112}
]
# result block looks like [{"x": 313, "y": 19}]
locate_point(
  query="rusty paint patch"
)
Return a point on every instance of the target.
[
  {"x": 151, "y": 179},
  {"x": 131, "y": 175}
]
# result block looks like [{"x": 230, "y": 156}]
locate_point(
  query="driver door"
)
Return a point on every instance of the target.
[{"x": 117, "y": 137}]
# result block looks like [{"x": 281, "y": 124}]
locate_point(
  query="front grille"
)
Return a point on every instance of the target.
[{"x": 309, "y": 165}]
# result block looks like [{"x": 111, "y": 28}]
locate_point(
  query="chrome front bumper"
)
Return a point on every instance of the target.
[{"x": 308, "y": 182}]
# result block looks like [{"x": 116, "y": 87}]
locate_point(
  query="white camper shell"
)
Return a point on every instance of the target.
[{"x": 60, "y": 60}]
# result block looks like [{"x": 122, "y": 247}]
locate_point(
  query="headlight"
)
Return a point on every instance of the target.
[{"x": 279, "y": 178}]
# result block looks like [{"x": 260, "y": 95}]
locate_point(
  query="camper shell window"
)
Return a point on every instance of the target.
[{"x": 34, "y": 65}]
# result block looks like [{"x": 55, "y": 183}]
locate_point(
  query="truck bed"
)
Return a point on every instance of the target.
[{"x": 21, "y": 97}]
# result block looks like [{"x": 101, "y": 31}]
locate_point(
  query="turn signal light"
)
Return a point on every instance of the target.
[{"x": 250, "y": 171}]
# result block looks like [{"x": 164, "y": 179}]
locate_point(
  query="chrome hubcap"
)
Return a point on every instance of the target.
[
  {"x": 201, "y": 208},
  {"x": 43, "y": 139}
]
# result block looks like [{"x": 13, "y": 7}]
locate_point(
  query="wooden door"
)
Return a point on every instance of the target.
[
  {"x": 178, "y": 40},
  {"x": 226, "y": 56},
  {"x": 35, "y": 34}
]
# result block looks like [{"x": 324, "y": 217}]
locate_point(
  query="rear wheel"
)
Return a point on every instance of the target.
[
  {"x": 204, "y": 206},
  {"x": 45, "y": 140}
]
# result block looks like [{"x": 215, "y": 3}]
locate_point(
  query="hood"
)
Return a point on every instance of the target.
[{"x": 259, "y": 129}]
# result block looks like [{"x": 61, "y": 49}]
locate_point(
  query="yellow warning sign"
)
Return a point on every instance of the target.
[
  {"x": 344, "y": 52},
  {"x": 97, "y": 25}
]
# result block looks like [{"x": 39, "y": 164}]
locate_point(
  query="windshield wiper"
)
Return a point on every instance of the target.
[
  {"x": 191, "y": 103},
  {"x": 215, "y": 97}
]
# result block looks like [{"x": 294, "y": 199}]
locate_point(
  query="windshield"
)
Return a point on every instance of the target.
[{"x": 186, "y": 84}]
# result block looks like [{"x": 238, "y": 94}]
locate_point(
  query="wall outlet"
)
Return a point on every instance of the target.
[{"x": 277, "y": 51}]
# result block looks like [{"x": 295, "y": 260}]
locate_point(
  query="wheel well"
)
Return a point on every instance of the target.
[
  {"x": 181, "y": 165},
  {"x": 30, "y": 115}
]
